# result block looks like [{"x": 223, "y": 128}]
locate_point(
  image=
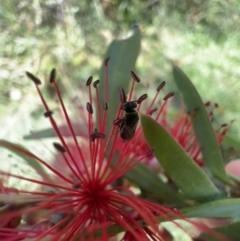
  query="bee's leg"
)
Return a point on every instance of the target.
[{"x": 118, "y": 122}]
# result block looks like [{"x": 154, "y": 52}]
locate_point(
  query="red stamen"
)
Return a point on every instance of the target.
[
  {"x": 96, "y": 135},
  {"x": 161, "y": 86},
  {"x": 168, "y": 96},
  {"x": 89, "y": 108},
  {"x": 142, "y": 98},
  {"x": 70, "y": 127},
  {"x": 135, "y": 77},
  {"x": 123, "y": 97},
  {"x": 89, "y": 81}
]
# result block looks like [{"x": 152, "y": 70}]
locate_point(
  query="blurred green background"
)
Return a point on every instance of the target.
[
  {"x": 201, "y": 36},
  {"x": 36, "y": 35}
]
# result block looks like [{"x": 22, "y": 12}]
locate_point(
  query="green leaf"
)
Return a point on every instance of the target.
[
  {"x": 201, "y": 124},
  {"x": 185, "y": 173},
  {"x": 148, "y": 181},
  {"x": 123, "y": 55},
  {"x": 225, "y": 208},
  {"x": 79, "y": 130},
  {"x": 231, "y": 231},
  {"x": 26, "y": 156}
]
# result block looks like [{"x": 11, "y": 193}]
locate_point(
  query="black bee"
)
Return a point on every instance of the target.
[{"x": 128, "y": 123}]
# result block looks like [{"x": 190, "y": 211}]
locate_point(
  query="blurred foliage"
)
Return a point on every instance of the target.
[
  {"x": 36, "y": 35},
  {"x": 200, "y": 35}
]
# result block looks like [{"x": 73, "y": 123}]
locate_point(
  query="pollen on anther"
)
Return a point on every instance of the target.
[
  {"x": 52, "y": 76},
  {"x": 208, "y": 103},
  {"x": 168, "y": 96},
  {"x": 135, "y": 77},
  {"x": 123, "y": 97},
  {"x": 89, "y": 81},
  {"x": 105, "y": 106},
  {"x": 59, "y": 147},
  {"x": 161, "y": 86},
  {"x": 142, "y": 98},
  {"x": 95, "y": 83},
  {"x": 89, "y": 108},
  {"x": 36, "y": 80},
  {"x": 48, "y": 114},
  {"x": 96, "y": 135}
]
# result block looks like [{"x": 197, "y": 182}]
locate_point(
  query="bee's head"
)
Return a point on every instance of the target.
[{"x": 129, "y": 106}]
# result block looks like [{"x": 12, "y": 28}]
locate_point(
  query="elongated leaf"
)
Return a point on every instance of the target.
[
  {"x": 185, "y": 173},
  {"x": 201, "y": 124},
  {"x": 123, "y": 55},
  {"x": 225, "y": 208},
  {"x": 152, "y": 184},
  {"x": 19, "y": 150},
  {"x": 231, "y": 230}
]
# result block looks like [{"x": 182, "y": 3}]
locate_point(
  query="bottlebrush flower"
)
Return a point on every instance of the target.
[{"x": 79, "y": 201}]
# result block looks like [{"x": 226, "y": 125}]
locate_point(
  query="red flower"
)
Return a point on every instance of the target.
[{"x": 81, "y": 202}]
